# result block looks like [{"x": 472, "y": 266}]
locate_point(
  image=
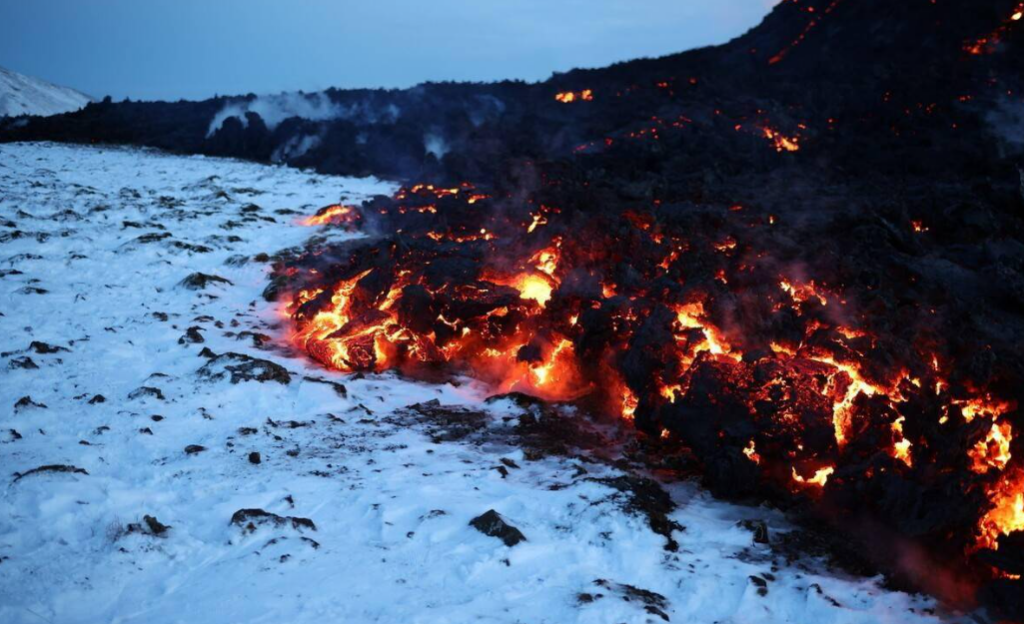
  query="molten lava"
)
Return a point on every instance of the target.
[
  {"x": 691, "y": 336},
  {"x": 567, "y": 97}
]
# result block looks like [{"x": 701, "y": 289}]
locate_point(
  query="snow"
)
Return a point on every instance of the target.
[
  {"x": 391, "y": 506},
  {"x": 25, "y": 95}
]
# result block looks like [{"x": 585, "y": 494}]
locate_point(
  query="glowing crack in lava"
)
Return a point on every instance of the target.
[
  {"x": 568, "y": 97},
  {"x": 988, "y": 43},
  {"x": 816, "y": 18}
]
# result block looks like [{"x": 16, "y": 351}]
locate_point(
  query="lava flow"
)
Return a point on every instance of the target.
[{"x": 697, "y": 336}]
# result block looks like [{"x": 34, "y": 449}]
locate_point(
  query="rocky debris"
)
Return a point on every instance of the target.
[
  {"x": 257, "y": 339},
  {"x": 24, "y": 362},
  {"x": 199, "y": 281},
  {"x": 66, "y": 468},
  {"x": 192, "y": 247},
  {"x": 192, "y": 336},
  {"x": 492, "y": 524},
  {"x": 652, "y": 602},
  {"x": 288, "y": 424},
  {"x": 446, "y": 423},
  {"x": 240, "y": 367},
  {"x": 26, "y": 402},
  {"x": 647, "y": 498},
  {"x": 149, "y": 526},
  {"x": 194, "y": 449},
  {"x": 97, "y": 399},
  {"x": 546, "y": 428},
  {"x": 821, "y": 592},
  {"x": 152, "y": 237},
  {"x": 338, "y": 388},
  {"x": 254, "y": 458},
  {"x": 761, "y": 585},
  {"x": 146, "y": 391},
  {"x": 250, "y": 519},
  {"x": 758, "y": 527},
  {"x": 32, "y": 290}
]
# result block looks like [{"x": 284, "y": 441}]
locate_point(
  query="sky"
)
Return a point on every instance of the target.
[{"x": 193, "y": 49}]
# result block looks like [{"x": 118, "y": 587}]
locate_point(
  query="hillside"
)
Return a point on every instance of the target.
[{"x": 24, "y": 95}]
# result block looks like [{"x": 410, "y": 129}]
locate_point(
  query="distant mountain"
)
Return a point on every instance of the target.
[{"x": 25, "y": 95}]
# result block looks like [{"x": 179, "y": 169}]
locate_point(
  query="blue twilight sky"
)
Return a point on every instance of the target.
[{"x": 170, "y": 49}]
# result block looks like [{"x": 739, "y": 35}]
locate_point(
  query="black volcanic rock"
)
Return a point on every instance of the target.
[{"x": 491, "y": 523}]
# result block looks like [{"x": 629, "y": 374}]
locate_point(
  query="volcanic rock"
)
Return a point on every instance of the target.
[
  {"x": 491, "y": 523},
  {"x": 240, "y": 367}
]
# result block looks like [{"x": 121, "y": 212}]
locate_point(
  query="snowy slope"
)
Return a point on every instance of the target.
[
  {"x": 25, "y": 95},
  {"x": 94, "y": 245}
]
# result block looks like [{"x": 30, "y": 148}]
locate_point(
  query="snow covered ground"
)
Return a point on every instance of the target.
[
  {"x": 94, "y": 246},
  {"x": 25, "y": 95}
]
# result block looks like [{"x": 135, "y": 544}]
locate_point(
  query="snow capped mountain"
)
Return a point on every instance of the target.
[{"x": 25, "y": 95}]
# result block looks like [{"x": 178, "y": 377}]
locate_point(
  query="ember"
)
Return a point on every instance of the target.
[{"x": 567, "y": 97}]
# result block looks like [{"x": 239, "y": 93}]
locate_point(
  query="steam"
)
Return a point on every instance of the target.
[
  {"x": 295, "y": 147},
  {"x": 274, "y": 109},
  {"x": 488, "y": 108},
  {"x": 435, "y": 145}
]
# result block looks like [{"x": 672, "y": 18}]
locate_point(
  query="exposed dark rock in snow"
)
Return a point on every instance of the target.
[
  {"x": 199, "y": 281},
  {"x": 240, "y": 367},
  {"x": 58, "y": 468},
  {"x": 491, "y": 523},
  {"x": 250, "y": 519}
]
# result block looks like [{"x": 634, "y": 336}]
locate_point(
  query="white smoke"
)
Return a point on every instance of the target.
[
  {"x": 274, "y": 109},
  {"x": 1006, "y": 122},
  {"x": 435, "y": 145},
  {"x": 295, "y": 147}
]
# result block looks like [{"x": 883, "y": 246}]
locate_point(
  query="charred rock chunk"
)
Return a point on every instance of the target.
[
  {"x": 149, "y": 526},
  {"x": 199, "y": 281},
  {"x": 23, "y": 362},
  {"x": 647, "y": 498},
  {"x": 191, "y": 336},
  {"x": 26, "y": 402},
  {"x": 146, "y": 391},
  {"x": 491, "y": 523},
  {"x": 43, "y": 348},
  {"x": 653, "y": 602},
  {"x": 50, "y": 468},
  {"x": 759, "y": 528},
  {"x": 239, "y": 367},
  {"x": 250, "y": 519}
]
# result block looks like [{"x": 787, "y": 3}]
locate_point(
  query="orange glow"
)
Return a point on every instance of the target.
[
  {"x": 984, "y": 406},
  {"x": 534, "y": 287},
  {"x": 782, "y": 143},
  {"x": 567, "y": 97},
  {"x": 994, "y": 450},
  {"x": 751, "y": 453},
  {"x": 1007, "y": 512},
  {"x": 819, "y": 479},
  {"x": 987, "y": 44},
  {"x": 526, "y": 317},
  {"x": 333, "y": 214}
]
